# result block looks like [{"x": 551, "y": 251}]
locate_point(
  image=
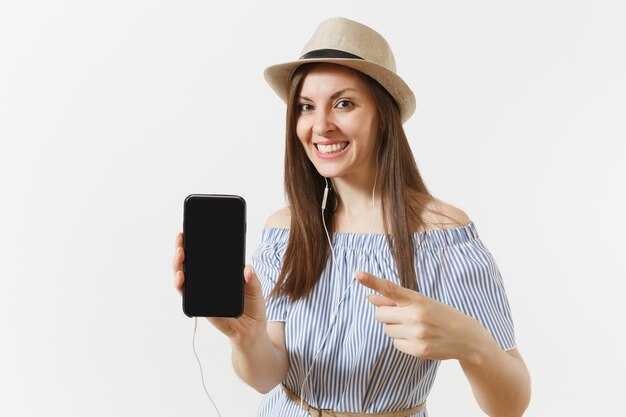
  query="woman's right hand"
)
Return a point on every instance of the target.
[{"x": 252, "y": 323}]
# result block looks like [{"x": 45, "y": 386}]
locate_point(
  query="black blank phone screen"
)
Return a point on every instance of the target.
[{"x": 214, "y": 243}]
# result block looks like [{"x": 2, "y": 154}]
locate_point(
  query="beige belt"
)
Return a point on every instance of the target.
[{"x": 317, "y": 412}]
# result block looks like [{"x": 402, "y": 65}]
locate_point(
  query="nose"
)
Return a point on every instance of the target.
[{"x": 323, "y": 123}]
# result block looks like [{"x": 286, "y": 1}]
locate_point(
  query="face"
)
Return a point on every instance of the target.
[{"x": 337, "y": 122}]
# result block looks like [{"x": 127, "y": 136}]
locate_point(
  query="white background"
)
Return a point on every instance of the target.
[{"x": 112, "y": 112}]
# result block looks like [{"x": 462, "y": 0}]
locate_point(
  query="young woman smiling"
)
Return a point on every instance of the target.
[{"x": 365, "y": 281}]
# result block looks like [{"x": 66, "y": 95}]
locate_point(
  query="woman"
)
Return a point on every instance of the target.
[{"x": 369, "y": 280}]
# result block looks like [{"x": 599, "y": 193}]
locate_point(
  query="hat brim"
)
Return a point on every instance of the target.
[{"x": 279, "y": 76}]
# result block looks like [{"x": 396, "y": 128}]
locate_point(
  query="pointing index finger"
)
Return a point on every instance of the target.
[{"x": 383, "y": 286}]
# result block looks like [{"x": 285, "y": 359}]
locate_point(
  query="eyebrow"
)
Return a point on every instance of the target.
[{"x": 335, "y": 95}]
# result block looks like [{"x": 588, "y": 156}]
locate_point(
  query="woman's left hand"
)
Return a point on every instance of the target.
[{"x": 422, "y": 326}]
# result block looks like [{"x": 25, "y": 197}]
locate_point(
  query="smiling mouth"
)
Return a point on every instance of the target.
[{"x": 332, "y": 148}]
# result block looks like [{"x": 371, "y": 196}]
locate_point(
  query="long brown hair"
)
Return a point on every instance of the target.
[{"x": 401, "y": 186}]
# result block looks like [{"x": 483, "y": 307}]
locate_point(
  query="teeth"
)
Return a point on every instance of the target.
[{"x": 334, "y": 148}]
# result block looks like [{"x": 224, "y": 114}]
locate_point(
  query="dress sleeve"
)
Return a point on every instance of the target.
[
  {"x": 472, "y": 283},
  {"x": 267, "y": 262}
]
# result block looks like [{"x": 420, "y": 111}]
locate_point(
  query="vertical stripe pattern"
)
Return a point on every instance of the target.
[{"x": 358, "y": 369}]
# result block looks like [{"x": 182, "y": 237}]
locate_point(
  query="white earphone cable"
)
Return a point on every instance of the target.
[
  {"x": 341, "y": 298},
  {"x": 193, "y": 343}
]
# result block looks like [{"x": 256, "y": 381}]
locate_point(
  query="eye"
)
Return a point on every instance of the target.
[
  {"x": 345, "y": 104},
  {"x": 304, "y": 107}
]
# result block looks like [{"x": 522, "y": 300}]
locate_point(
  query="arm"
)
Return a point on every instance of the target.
[
  {"x": 263, "y": 362},
  {"x": 499, "y": 379},
  {"x": 426, "y": 328},
  {"x": 259, "y": 354}
]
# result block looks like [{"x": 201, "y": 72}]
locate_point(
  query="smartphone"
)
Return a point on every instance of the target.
[{"x": 214, "y": 240}]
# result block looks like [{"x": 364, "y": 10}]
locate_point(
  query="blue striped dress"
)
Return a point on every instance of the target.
[{"x": 358, "y": 369}]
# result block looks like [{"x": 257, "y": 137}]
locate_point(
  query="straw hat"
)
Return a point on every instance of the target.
[{"x": 345, "y": 42}]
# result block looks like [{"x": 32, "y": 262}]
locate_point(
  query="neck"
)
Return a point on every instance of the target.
[{"x": 355, "y": 212}]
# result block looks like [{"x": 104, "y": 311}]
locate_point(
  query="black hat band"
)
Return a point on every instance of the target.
[{"x": 329, "y": 53}]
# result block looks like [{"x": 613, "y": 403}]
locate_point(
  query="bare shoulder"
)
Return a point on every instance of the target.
[
  {"x": 279, "y": 219},
  {"x": 441, "y": 215}
]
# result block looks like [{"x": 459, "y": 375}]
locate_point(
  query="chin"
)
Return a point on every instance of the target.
[{"x": 330, "y": 173}]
